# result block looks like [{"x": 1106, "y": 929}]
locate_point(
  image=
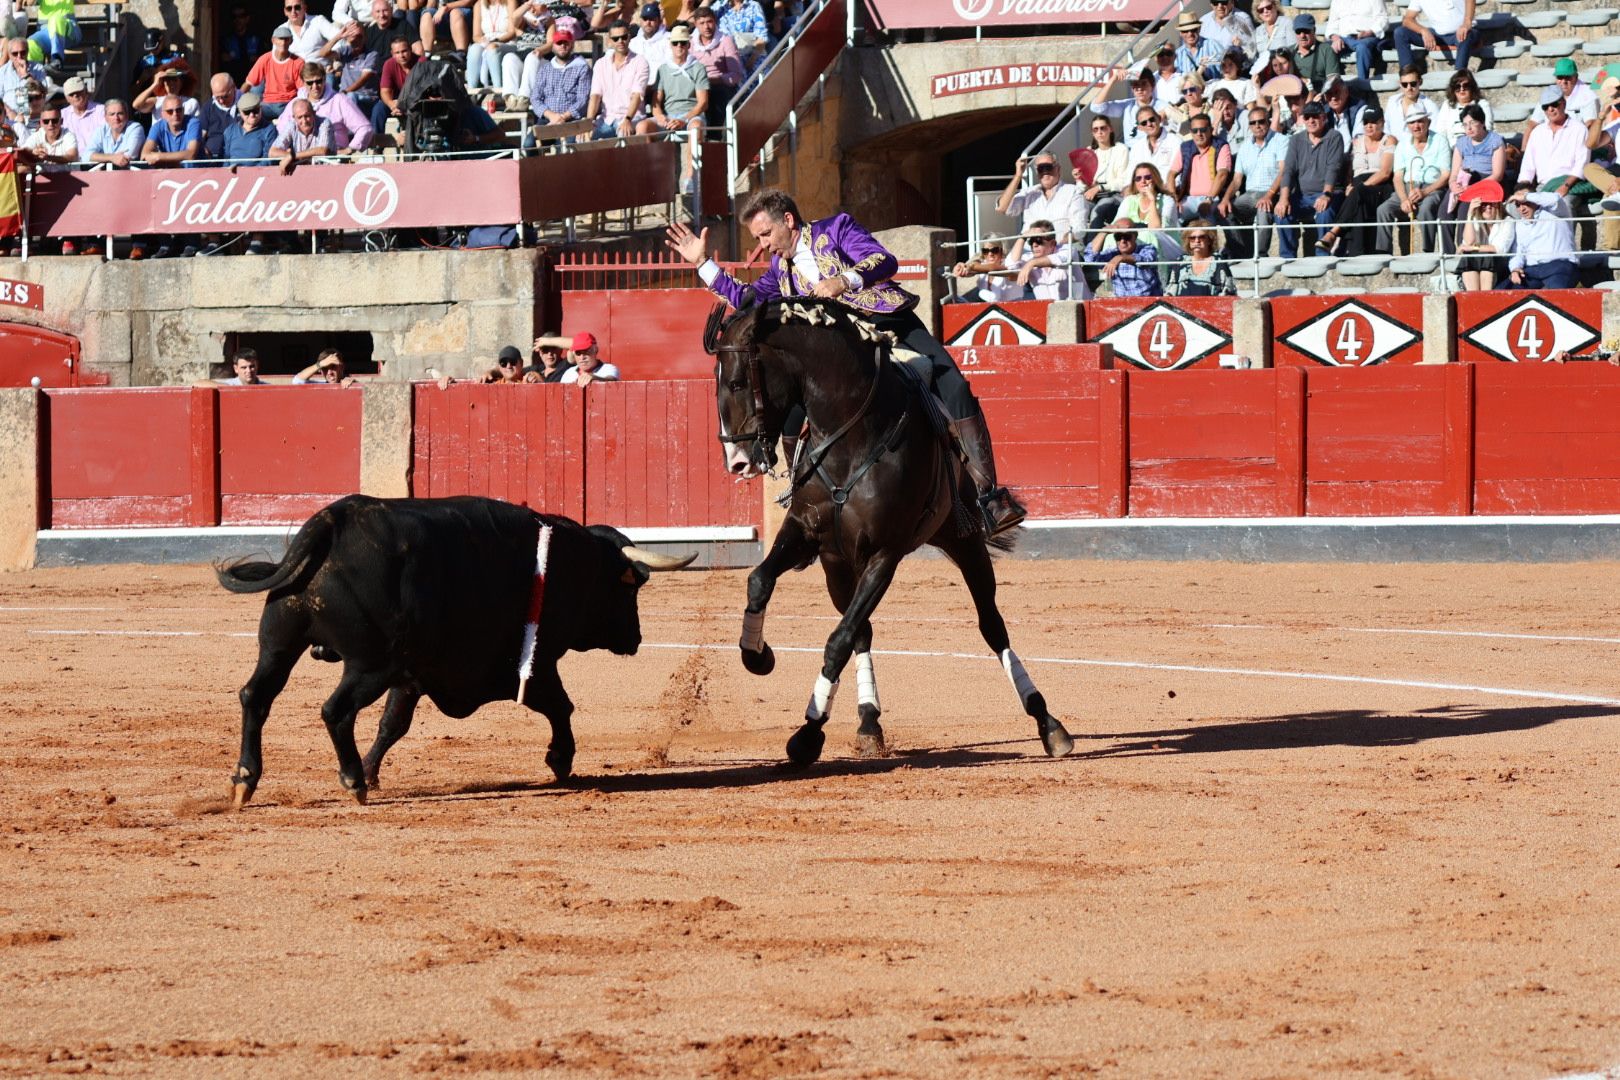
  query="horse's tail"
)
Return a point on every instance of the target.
[
  {"x": 306, "y": 548},
  {"x": 1005, "y": 542}
]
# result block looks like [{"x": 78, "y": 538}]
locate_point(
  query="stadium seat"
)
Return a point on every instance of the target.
[
  {"x": 1541, "y": 20},
  {"x": 1312, "y": 266},
  {"x": 1363, "y": 265},
  {"x": 1606, "y": 46},
  {"x": 1493, "y": 79},
  {"x": 1513, "y": 114},
  {"x": 1592, "y": 17},
  {"x": 1536, "y": 77},
  {"x": 1505, "y": 50},
  {"x": 1557, "y": 47},
  {"x": 1414, "y": 264}
]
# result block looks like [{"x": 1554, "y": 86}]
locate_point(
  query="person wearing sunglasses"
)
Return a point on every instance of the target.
[
  {"x": 1357, "y": 26},
  {"x": 311, "y": 32},
  {"x": 618, "y": 88},
  {"x": 1450, "y": 22},
  {"x": 1048, "y": 199},
  {"x": 1273, "y": 32},
  {"x": 1156, "y": 146},
  {"x": 15, "y": 74},
  {"x": 1200, "y": 272},
  {"x": 1042, "y": 268},
  {"x": 1110, "y": 178},
  {"x": 1406, "y": 101},
  {"x": 1143, "y": 95},
  {"x": 1462, "y": 92},
  {"x": 1580, "y": 101},
  {"x": 1315, "y": 170},
  {"x": 1316, "y": 60},
  {"x": 1204, "y": 172},
  {"x": 989, "y": 281},
  {"x": 1150, "y": 201},
  {"x": 1126, "y": 260},
  {"x": 1252, "y": 195},
  {"x": 508, "y": 366},
  {"x": 351, "y": 128},
  {"x": 1228, "y": 27},
  {"x": 52, "y": 148},
  {"x": 1422, "y": 171},
  {"x": 1555, "y": 153}
]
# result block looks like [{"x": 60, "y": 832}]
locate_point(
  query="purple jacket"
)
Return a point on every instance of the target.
[{"x": 839, "y": 244}]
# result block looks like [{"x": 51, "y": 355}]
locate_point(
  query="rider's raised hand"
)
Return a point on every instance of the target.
[{"x": 693, "y": 247}]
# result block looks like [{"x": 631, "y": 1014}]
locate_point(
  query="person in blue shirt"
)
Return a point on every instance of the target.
[
  {"x": 247, "y": 141},
  {"x": 1127, "y": 264}
]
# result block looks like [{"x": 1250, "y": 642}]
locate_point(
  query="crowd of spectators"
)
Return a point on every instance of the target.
[
  {"x": 429, "y": 76},
  {"x": 1249, "y": 127},
  {"x": 576, "y": 361}
]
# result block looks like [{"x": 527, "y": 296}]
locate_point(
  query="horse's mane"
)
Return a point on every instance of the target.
[{"x": 775, "y": 314}]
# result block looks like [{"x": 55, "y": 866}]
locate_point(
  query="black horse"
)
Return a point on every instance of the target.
[{"x": 875, "y": 479}]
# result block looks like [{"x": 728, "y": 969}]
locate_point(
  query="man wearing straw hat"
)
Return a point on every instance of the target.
[{"x": 1197, "y": 52}]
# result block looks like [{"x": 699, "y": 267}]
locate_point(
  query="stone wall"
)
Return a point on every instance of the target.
[{"x": 162, "y": 323}]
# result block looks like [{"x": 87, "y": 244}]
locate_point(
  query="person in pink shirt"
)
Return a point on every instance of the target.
[
  {"x": 1555, "y": 153},
  {"x": 618, "y": 88},
  {"x": 351, "y": 128},
  {"x": 720, "y": 58},
  {"x": 1206, "y": 169}
]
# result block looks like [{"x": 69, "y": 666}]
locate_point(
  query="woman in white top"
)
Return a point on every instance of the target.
[
  {"x": 493, "y": 60},
  {"x": 1153, "y": 204},
  {"x": 1110, "y": 180},
  {"x": 1461, "y": 92},
  {"x": 1403, "y": 103},
  {"x": 1487, "y": 237},
  {"x": 1233, "y": 79},
  {"x": 1273, "y": 32}
]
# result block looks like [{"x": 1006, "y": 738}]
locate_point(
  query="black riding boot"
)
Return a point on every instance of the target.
[{"x": 1001, "y": 510}]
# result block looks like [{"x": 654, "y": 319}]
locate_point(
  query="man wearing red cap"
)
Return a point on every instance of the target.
[
  {"x": 561, "y": 87},
  {"x": 588, "y": 364}
]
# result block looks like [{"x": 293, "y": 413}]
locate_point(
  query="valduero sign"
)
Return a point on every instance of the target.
[
  {"x": 1347, "y": 331},
  {"x": 1163, "y": 333},
  {"x": 902, "y": 14}
]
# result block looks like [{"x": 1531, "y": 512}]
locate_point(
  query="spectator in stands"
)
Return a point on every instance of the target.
[
  {"x": 508, "y": 366},
  {"x": 1128, "y": 263},
  {"x": 175, "y": 138},
  {"x": 1108, "y": 183},
  {"x": 52, "y": 148},
  {"x": 1152, "y": 203},
  {"x": 16, "y": 73},
  {"x": 560, "y": 91},
  {"x": 306, "y": 138},
  {"x": 608, "y": 12},
  {"x": 1200, "y": 272},
  {"x": 58, "y": 31},
  {"x": 1313, "y": 177},
  {"x": 395, "y": 70},
  {"x": 168, "y": 81},
  {"x": 1128, "y": 108},
  {"x": 1229, "y": 128},
  {"x": 311, "y": 33},
  {"x": 1372, "y": 182},
  {"x": 360, "y": 11},
  {"x": 358, "y": 74},
  {"x": 1357, "y": 26},
  {"x": 1401, "y": 105},
  {"x": 328, "y": 368},
  {"x": 1272, "y": 34},
  {"x": 1315, "y": 58},
  {"x": 1449, "y": 22},
  {"x": 651, "y": 41},
  {"x": 435, "y": 15},
  {"x": 350, "y": 128},
  {"x": 23, "y": 109},
  {"x": 618, "y": 85},
  {"x": 81, "y": 116},
  {"x": 1193, "y": 103},
  {"x": 990, "y": 281},
  {"x": 1462, "y": 92},
  {"x": 554, "y": 362},
  {"x": 1204, "y": 171},
  {"x": 239, "y": 43},
  {"x": 1251, "y": 197},
  {"x": 1166, "y": 79},
  {"x": 1580, "y": 102},
  {"x": 745, "y": 21},
  {"x": 1233, "y": 80},
  {"x": 720, "y": 58},
  {"x": 680, "y": 96},
  {"x": 275, "y": 75},
  {"x": 246, "y": 365},
  {"x": 1480, "y": 154},
  {"x": 250, "y": 136},
  {"x": 494, "y": 62},
  {"x": 158, "y": 53},
  {"x": 215, "y": 115},
  {"x": 1487, "y": 237},
  {"x": 118, "y": 141},
  {"x": 1196, "y": 52},
  {"x": 1228, "y": 27},
  {"x": 1344, "y": 111},
  {"x": 1043, "y": 266},
  {"x": 1542, "y": 255},
  {"x": 13, "y": 20},
  {"x": 588, "y": 366},
  {"x": 1555, "y": 153},
  {"x": 1049, "y": 198},
  {"x": 1154, "y": 145},
  {"x": 1422, "y": 173}
]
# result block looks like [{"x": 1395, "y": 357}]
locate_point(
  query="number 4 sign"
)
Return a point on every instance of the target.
[
  {"x": 1527, "y": 328},
  {"x": 1347, "y": 331}
]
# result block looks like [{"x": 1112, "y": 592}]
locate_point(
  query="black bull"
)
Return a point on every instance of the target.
[{"x": 431, "y": 597}]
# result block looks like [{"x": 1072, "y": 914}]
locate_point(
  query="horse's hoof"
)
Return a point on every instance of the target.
[
  {"x": 870, "y": 746},
  {"x": 1055, "y": 738},
  {"x": 562, "y": 765},
  {"x": 804, "y": 748},
  {"x": 357, "y": 789},
  {"x": 240, "y": 793},
  {"x": 759, "y": 663}
]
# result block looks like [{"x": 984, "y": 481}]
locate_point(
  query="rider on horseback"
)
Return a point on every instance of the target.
[{"x": 836, "y": 258}]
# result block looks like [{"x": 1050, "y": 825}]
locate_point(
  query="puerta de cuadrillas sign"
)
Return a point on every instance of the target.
[{"x": 907, "y": 14}]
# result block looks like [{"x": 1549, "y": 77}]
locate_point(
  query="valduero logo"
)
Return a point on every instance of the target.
[{"x": 370, "y": 197}]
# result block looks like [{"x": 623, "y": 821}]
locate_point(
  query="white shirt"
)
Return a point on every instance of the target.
[
  {"x": 1396, "y": 113},
  {"x": 65, "y": 145},
  {"x": 603, "y": 371},
  {"x": 1236, "y": 32},
  {"x": 1347, "y": 18},
  {"x": 352, "y": 10},
  {"x": 1036, "y": 204},
  {"x": 1167, "y": 157},
  {"x": 1441, "y": 16},
  {"x": 318, "y": 30},
  {"x": 655, "y": 50}
]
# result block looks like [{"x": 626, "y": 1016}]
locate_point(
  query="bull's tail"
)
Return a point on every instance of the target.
[{"x": 308, "y": 548}]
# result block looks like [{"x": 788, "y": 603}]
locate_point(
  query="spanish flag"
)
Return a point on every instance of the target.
[{"x": 10, "y": 203}]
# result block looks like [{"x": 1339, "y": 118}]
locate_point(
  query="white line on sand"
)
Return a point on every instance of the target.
[{"x": 1422, "y": 633}]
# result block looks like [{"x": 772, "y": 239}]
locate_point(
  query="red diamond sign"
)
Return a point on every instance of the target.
[
  {"x": 1533, "y": 330},
  {"x": 1164, "y": 337},
  {"x": 1349, "y": 333}
]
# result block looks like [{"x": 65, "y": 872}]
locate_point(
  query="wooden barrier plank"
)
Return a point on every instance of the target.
[
  {"x": 1048, "y": 429},
  {"x": 285, "y": 451},
  {"x": 120, "y": 457},
  {"x": 1546, "y": 439},
  {"x": 1204, "y": 444},
  {"x": 1379, "y": 441}
]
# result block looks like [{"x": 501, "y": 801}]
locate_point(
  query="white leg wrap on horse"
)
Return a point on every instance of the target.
[
  {"x": 866, "y": 681},
  {"x": 753, "y": 634},
  {"x": 821, "y": 699},
  {"x": 1014, "y": 668}
]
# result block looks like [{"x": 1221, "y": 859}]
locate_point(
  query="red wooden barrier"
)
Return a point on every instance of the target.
[
  {"x": 524, "y": 444},
  {"x": 131, "y": 457},
  {"x": 1527, "y": 327},
  {"x": 1218, "y": 444},
  {"x": 32, "y": 352},
  {"x": 285, "y": 452},
  {"x": 1020, "y": 322},
  {"x": 1346, "y": 331},
  {"x": 975, "y": 360},
  {"x": 653, "y": 458},
  {"x": 648, "y": 333},
  {"x": 1059, "y": 436},
  {"x": 1162, "y": 333},
  {"x": 1547, "y": 439},
  {"x": 1388, "y": 442}
]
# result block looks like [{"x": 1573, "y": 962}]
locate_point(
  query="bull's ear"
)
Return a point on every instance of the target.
[{"x": 631, "y": 577}]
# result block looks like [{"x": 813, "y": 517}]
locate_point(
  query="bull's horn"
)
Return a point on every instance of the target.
[{"x": 652, "y": 560}]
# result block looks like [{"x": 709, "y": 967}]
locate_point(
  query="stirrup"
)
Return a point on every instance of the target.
[{"x": 1001, "y": 511}]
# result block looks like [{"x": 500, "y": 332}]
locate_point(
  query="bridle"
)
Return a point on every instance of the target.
[{"x": 760, "y": 436}]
